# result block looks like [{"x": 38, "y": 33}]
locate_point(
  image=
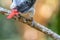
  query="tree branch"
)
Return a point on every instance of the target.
[{"x": 34, "y": 24}]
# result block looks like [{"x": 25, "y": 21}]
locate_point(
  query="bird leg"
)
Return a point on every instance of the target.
[{"x": 31, "y": 13}]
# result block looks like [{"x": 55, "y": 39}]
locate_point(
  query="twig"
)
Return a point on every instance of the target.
[{"x": 34, "y": 24}]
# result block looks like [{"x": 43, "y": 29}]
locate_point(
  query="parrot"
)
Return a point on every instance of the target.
[{"x": 22, "y": 7}]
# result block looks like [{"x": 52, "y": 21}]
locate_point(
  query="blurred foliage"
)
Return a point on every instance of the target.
[
  {"x": 8, "y": 29},
  {"x": 54, "y": 24},
  {"x": 58, "y": 17}
]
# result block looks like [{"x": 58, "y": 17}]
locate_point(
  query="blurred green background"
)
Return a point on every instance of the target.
[
  {"x": 54, "y": 23},
  {"x": 8, "y": 30}
]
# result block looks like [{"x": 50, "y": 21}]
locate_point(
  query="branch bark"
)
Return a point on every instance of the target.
[{"x": 34, "y": 24}]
